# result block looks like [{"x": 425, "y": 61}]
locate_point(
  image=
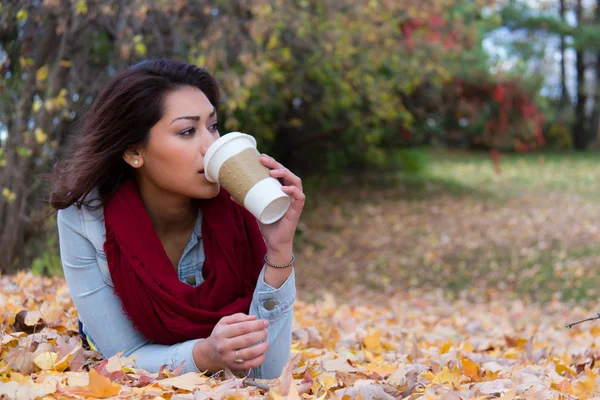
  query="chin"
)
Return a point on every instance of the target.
[{"x": 209, "y": 192}]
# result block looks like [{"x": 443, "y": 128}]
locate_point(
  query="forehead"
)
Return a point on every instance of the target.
[{"x": 187, "y": 100}]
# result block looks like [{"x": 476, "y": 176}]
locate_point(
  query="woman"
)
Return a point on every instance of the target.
[{"x": 160, "y": 262}]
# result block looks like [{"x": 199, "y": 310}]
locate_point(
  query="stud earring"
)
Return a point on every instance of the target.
[{"x": 136, "y": 163}]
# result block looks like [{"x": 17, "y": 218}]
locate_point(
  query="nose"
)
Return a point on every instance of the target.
[{"x": 210, "y": 139}]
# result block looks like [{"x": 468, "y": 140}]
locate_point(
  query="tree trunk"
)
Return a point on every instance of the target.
[
  {"x": 564, "y": 94},
  {"x": 579, "y": 131},
  {"x": 595, "y": 119}
]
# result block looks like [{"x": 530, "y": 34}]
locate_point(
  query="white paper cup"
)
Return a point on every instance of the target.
[{"x": 234, "y": 163}]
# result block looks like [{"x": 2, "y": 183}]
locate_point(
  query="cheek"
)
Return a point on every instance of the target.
[{"x": 172, "y": 159}]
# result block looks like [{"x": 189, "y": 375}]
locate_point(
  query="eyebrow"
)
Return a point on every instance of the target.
[{"x": 196, "y": 117}]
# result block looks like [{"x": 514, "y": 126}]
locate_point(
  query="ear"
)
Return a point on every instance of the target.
[{"x": 133, "y": 156}]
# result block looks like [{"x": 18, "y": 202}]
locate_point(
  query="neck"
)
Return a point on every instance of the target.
[{"x": 170, "y": 213}]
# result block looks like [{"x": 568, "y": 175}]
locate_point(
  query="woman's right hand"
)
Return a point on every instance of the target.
[{"x": 237, "y": 332}]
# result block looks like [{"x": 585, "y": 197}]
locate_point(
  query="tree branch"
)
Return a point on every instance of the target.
[{"x": 583, "y": 320}]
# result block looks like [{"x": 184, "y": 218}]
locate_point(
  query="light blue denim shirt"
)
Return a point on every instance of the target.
[{"x": 82, "y": 235}]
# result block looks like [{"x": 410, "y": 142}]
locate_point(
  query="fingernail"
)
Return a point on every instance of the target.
[{"x": 266, "y": 323}]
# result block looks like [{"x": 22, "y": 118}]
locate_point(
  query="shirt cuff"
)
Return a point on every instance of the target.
[
  {"x": 271, "y": 302},
  {"x": 184, "y": 352}
]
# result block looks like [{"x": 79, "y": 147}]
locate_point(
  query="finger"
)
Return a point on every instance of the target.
[
  {"x": 251, "y": 353},
  {"x": 287, "y": 176},
  {"x": 243, "y": 328},
  {"x": 247, "y": 340},
  {"x": 270, "y": 162},
  {"x": 297, "y": 194},
  {"x": 236, "y": 318},
  {"x": 248, "y": 364}
]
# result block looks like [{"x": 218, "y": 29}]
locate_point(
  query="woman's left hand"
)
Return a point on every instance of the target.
[{"x": 279, "y": 236}]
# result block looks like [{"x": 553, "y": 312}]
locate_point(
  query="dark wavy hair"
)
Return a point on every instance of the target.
[{"x": 120, "y": 117}]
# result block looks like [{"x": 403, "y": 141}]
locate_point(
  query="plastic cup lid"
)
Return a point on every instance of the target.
[{"x": 220, "y": 142}]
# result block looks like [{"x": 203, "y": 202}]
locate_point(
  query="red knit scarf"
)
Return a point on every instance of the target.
[{"x": 161, "y": 307}]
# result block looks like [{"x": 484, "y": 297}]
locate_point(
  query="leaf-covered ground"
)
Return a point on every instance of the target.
[
  {"x": 454, "y": 284},
  {"x": 413, "y": 345},
  {"x": 532, "y": 231}
]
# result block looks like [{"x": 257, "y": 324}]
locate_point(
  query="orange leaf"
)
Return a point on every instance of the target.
[
  {"x": 102, "y": 386},
  {"x": 470, "y": 368}
]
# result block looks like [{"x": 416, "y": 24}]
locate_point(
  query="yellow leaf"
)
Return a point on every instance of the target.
[
  {"x": 102, "y": 386},
  {"x": 563, "y": 369},
  {"x": 445, "y": 376},
  {"x": 328, "y": 381},
  {"x": 373, "y": 342},
  {"x": 61, "y": 99},
  {"x": 388, "y": 346},
  {"x": 12, "y": 338},
  {"x": 37, "y": 105},
  {"x": 189, "y": 382},
  {"x": 512, "y": 353},
  {"x": 63, "y": 363},
  {"x": 2, "y": 163},
  {"x": 26, "y": 62},
  {"x": 116, "y": 362},
  {"x": 370, "y": 357},
  {"x": 586, "y": 388},
  {"x": 273, "y": 42},
  {"x": 81, "y": 7},
  {"x": 467, "y": 346},
  {"x": 201, "y": 61},
  {"x": 139, "y": 46},
  {"x": 446, "y": 347},
  {"x": 65, "y": 63},
  {"x": 40, "y": 135},
  {"x": 45, "y": 360},
  {"x": 8, "y": 195},
  {"x": 42, "y": 74},
  {"x": 22, "y": 15},
  {"x": 140, "y": 49}
]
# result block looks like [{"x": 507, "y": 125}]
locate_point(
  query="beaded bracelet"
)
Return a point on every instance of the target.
[{"x": 280, "y": 266}]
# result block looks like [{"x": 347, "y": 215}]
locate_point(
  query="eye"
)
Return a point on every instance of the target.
[
  {"x": 214, "y": 127},
  {"x": 188, "y": 132}
]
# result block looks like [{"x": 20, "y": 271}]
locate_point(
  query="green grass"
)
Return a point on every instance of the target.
[{"x": 575, "y": 173}]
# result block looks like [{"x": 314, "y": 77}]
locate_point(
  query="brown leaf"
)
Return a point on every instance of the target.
[
  {"x": 25, "y": 323},
  {"x": 20, "y": 360}
]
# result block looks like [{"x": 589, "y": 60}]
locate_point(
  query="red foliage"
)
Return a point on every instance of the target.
[
  {"x": 405, "y": 134},
  {"x": 435, "y": 21},
  {"x": 434, "y": 28},
  {"x": 513, "y": 118}
]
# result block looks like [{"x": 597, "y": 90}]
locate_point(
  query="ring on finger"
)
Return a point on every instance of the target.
[{"x": 238, "y": 360}]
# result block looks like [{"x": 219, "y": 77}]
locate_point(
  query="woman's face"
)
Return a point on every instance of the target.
[{"x": 173, "y": 158}]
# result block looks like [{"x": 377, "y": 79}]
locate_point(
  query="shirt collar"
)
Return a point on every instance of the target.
[{"x": 198, "y": 226}]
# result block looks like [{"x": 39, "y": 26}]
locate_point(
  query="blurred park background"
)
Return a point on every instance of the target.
[{"x": 444, "y": 144}]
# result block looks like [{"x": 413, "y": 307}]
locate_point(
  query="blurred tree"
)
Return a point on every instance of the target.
[
  {"x": 323, "y": 85},
  {"x": 519, "y": 15},
  {"x": 54, "y": 57}
]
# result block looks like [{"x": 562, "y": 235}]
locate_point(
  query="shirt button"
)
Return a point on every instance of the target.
[
  {"x": 191, "y": 279},
  {"x": 270, "y": 304}
]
